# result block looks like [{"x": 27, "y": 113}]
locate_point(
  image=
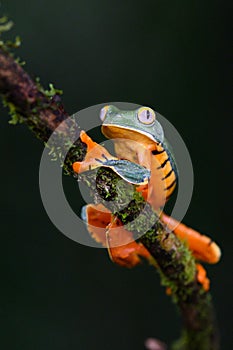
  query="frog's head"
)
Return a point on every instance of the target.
[{"x": 139, "y": 124}]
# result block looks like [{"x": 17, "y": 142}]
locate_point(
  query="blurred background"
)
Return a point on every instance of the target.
[{"x": 170, "y": 55}]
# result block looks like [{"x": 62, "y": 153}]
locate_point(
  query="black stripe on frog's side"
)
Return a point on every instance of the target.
[
  {"x": 170, "y": 186},
  {"x": 172, "y": 166},
  {"x": 171, "y": 158},
  {"x": 155, "y": 152},
  {"x": 168, "y": 174},
  {"x": 164, "y": 163}
]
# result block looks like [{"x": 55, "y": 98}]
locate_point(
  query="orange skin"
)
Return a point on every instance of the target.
[{"x": 123, "y": 250}]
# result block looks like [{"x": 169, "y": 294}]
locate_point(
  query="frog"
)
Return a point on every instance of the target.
[{"x": 143, "y": 158}]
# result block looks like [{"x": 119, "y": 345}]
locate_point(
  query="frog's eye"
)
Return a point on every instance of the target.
[
  {"x": 146, "y": 115},
  {"x": 103, "y": 112}
]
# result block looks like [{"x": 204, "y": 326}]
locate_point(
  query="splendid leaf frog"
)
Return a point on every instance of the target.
[
  {"x": 138, "y": 137},
  {"x": 143, "y": 158}
]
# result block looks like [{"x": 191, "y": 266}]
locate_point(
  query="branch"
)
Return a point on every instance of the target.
[{"x": 42, "y": 111}]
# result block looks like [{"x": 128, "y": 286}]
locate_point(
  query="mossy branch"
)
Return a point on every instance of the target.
[{"x": 42, "y": 111}]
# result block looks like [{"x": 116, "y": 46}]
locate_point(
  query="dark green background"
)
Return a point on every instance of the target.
[{"x": 170, "y": 55}]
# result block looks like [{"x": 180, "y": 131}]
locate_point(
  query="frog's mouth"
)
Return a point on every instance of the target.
[{"x": 116, "y": 131}]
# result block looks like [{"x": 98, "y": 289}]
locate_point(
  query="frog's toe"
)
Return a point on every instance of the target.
[
  {"x": 202, "y": 277},
  {"x": 84, "y": 214},
  {"x": 76, "y": 167},
  {"x": 122, "y": 248},
  {"x": 97, "y": 218}
]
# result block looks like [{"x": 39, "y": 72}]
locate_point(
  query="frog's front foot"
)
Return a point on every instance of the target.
[{"x": 95, "y": 157}]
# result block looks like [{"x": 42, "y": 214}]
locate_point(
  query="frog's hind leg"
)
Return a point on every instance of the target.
[
  {"x": 202, "y": 247},
  {"x": 95, "y": 156},
  {"x": 109, "y": 231},
  {"x": 122, "y": 248}
]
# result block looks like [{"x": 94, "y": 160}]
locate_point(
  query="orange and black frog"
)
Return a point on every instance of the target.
[{"x": 143, "y": 158}]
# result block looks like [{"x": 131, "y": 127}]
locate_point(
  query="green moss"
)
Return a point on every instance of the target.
[
  {"x": 52, "y": 91},
  {"x": 183, "y": 255},
  {"x": 16, "y": 118},
  {"x": 5, "y": 26},
  {"x": 13, "y": 44}
]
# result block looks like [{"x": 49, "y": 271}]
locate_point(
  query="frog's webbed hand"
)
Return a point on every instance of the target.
[{"x": 95, "y": 157}]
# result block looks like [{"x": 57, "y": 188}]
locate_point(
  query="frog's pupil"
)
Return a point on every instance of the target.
[{"x": 147, "y": 114}]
